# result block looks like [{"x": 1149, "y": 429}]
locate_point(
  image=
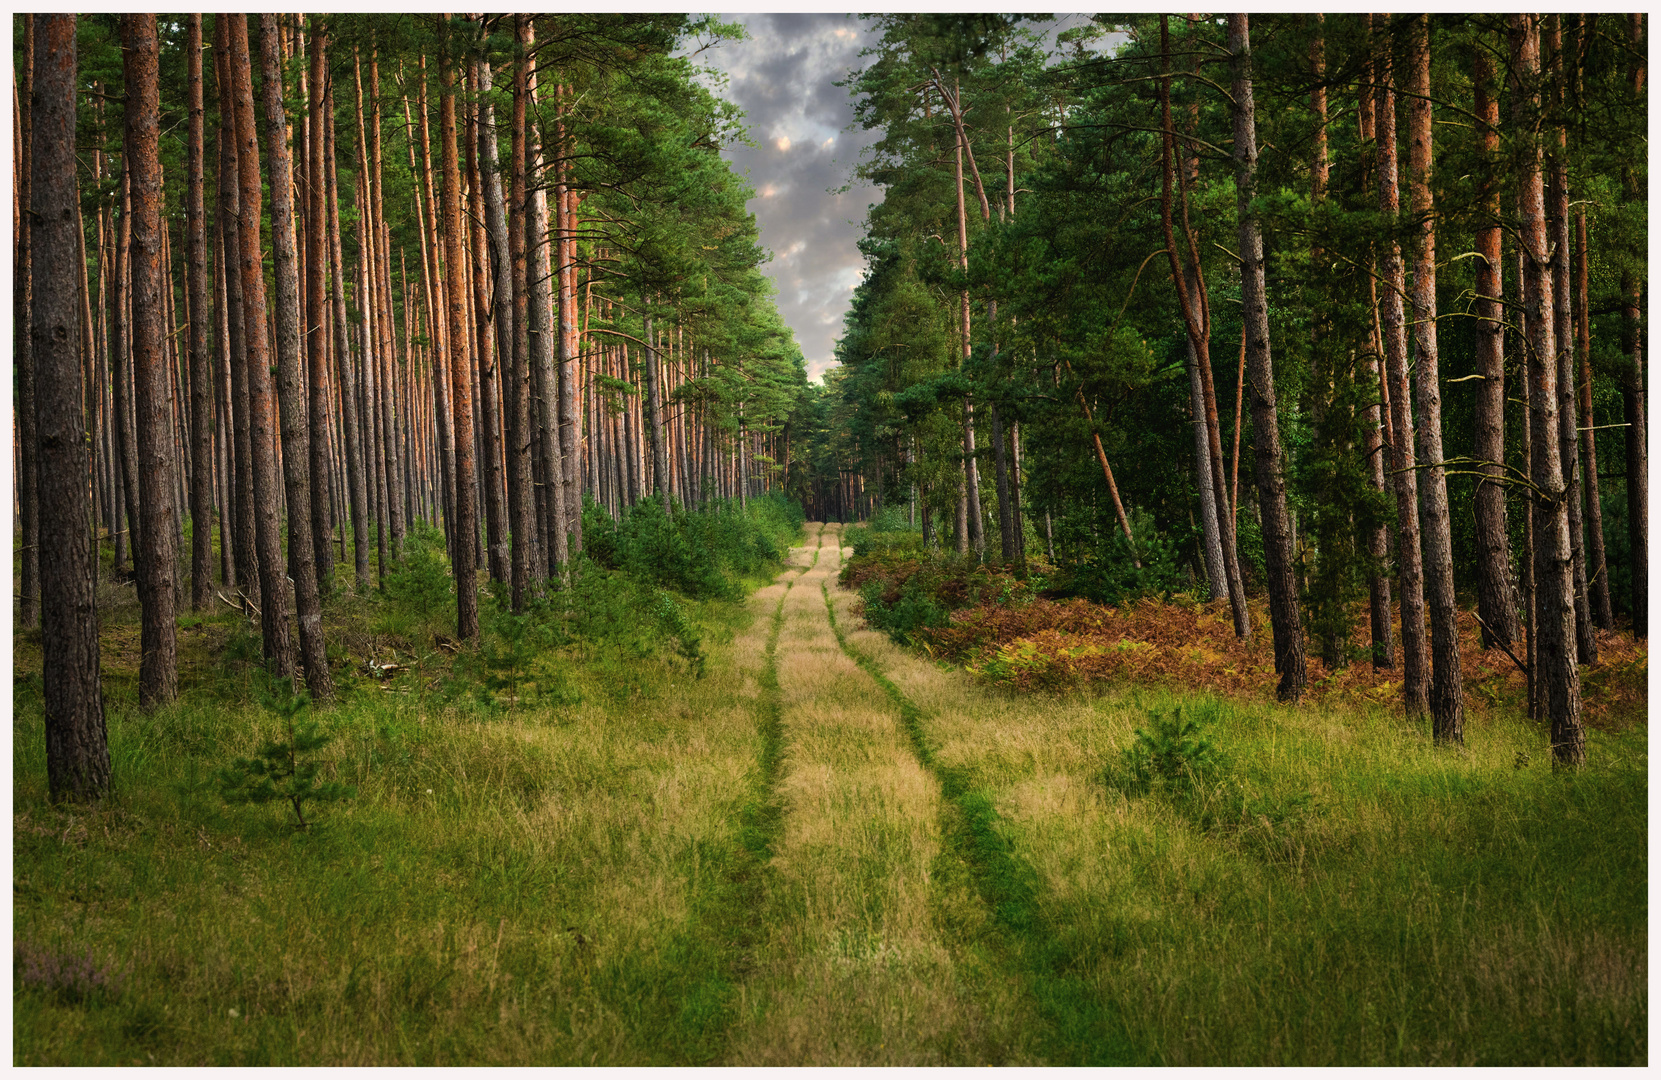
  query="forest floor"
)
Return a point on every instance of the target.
[{"x": 831, "y": 850}]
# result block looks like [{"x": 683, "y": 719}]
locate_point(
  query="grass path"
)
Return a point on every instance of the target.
[{"x": 870, "y": 954}]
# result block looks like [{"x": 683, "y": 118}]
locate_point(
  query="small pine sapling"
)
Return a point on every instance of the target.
[{"x": 280, "y": 773}]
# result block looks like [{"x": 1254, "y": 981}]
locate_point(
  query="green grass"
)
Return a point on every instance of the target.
[
  {"x": 1338, "y": 891},
  {"x": 612, "y": 861}
]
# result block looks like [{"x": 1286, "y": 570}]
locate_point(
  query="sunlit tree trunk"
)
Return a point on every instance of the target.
[
  {"x": 1632, "y": 389},
  {"x": 455, "y": 256}
]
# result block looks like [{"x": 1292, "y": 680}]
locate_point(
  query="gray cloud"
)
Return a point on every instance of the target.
[{"x": 782, "y": 77}]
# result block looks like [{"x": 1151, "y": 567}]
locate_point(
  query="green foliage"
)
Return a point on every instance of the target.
[
  {"x": 420, "y": 596},
  {"x": 700, "y": 554},
  {"x": 1172, "y": 752},
  {"x": 282, "y": 771}
]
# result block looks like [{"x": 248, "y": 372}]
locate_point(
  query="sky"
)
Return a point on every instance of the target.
[{"x": 782, "y": 78}]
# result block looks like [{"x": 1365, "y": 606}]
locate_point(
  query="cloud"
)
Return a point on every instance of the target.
[{"x": 782, "y": 77}]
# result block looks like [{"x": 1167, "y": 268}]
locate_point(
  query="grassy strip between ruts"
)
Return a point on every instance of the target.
[{"x": 1085, "y": 1033}]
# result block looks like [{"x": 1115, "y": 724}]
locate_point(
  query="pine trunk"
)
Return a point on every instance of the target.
[
  {"x": 297, "y": 455},
  {"x": 156, "y": 557},
  {"x": 261, "y": 408},
  {"x": 1586, "y": 642},
  {"x": 27, "y": 475},
  {"x": 77, "y": 747},
  {"x": 1558, "y": 677},
  {"x": 1495, "y": 603},
  {"x": 1415, "y": 651},
  {"x": 458, "y": 360},
  {"x": 1447, "y": 690},
  {"x": 1270, "y": 468}
]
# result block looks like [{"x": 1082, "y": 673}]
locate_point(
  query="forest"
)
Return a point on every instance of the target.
[{"x": 450, "y": 628}]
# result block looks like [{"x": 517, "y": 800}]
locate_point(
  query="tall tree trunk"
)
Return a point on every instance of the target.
[
  {"x": 1196, "y": 322},
  {"x": 455, "y": 257},
  {"x": 157, "y": 558},
  {"x": 543, "y": 331},
  {"x": 1447, "y": 689},
  {"x": 346, "y": 367},
  {"x": 201, "y": 378},
  {"x": 509, "y": 312},
  {"x": 1375, "y": 424},
  {"x": 1415, "y": 653},
  {"x": 230, "y": 245},
  {"x": 262, "y": 425},
  {"x": 1632, "y": 388},
  {"x": 27, "y": 475},
  {"x": 1597, "y": 567},
  {"x": 77, "y": 747},
  {"x": 1586, "y": 642},
  {"x": 290, "y": 375},
  {"x": 317, "y": 331},
  {"x": 490, "y": 368},
  {"x": 1558, "y": 677},
  {"x": 1270, "y": 471},
  {"x": 570, "y": 426},
  {"x": 1494, "y": 589},
  {"x": 386, "y": 377}
]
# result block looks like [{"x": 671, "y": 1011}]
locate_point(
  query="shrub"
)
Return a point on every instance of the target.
[
  {"x": 1171, "y": 753},
  {"x": 278, "y": 773}
]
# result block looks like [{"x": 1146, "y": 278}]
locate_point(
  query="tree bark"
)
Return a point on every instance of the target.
[
  {"x": 490, "y": 369},
  {"x": 1597, "y": 567},
  {"x": 570, "y": 423},
  {"x": 1447, "y": 690},
  {"x": 317, "y": 331},
  {"x": 261, "y": 407},
  {"x": 1270, "y": 467},
  {"x": 1586, "y": 642},
  {"x": 201, "y": 378},
  {"x": 230, "y": 245},
  {"x": 1415, "y": 654},
  {"x": 544, "y": 347},
  {"x": 346, "y": 368},
  {"x": 455, "y": 256},
  {"x": 1494, "y": 587},
  {"x": 1558, "y": 677},
  {"x": 290, "y": 375},
  {"x": 1632, "y": 389},
  {"x": 386, "y": 375},
  {"x": 507, "y": 258},
  {"x": 156, "y": 556},
  {"x": 27, "y": 476},
  {"x": 77, "y": 746}
]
